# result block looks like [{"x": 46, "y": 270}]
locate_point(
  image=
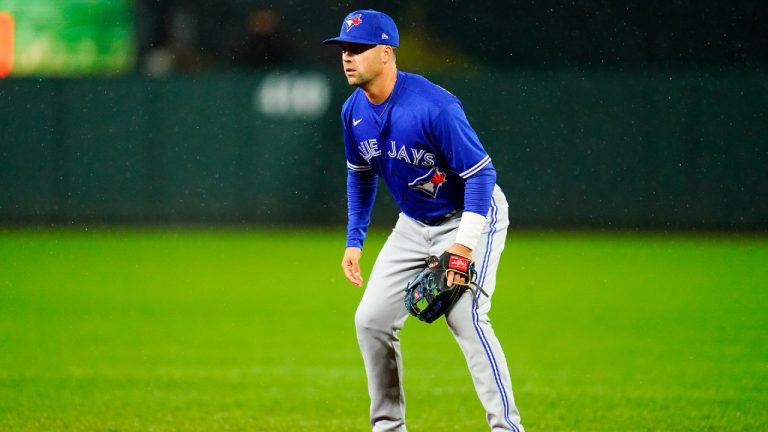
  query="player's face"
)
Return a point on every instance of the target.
[{"x": 361, "y": 63}]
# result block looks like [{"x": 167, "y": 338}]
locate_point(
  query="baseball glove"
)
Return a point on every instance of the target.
[{"x": 428, "y": 296}]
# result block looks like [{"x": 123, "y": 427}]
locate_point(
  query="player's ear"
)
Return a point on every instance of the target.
[{"x": 388, "y": 54}]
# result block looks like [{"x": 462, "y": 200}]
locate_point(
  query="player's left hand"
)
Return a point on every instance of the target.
[{"x": 457, "y": 249}]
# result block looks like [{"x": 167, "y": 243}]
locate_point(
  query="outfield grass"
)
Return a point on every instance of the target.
[{"x": 196, "y": 330}]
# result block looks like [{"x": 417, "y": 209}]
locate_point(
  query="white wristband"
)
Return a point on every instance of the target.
[{"x": 470, "y": 228}]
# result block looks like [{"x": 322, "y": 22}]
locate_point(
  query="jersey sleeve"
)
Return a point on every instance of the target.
[
  {"x": 355, "y": 161},
  {"x": 458, "y": 142}
]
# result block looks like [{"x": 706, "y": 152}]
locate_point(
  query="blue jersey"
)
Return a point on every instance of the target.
[{"x": 419, "y": 142}]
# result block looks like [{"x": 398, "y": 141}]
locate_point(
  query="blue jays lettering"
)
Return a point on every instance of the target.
[{"x": 369, "y": 149}]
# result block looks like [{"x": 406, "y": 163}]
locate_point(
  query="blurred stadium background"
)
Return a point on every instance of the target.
[
  {"x": 166, "y": 165},
  {"x": 639, "y": 114}
]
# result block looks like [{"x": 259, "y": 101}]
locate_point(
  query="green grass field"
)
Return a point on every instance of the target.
[{"x": 214, "y": 330}]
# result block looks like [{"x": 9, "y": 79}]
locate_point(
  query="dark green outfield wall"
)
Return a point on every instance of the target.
[{"x": 572, "y": 148}]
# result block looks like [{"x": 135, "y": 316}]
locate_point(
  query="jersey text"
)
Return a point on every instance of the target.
[{"x": 415, "y": 157}]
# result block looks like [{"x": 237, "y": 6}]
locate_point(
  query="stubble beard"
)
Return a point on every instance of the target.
[{"x": 358, "y": 80}]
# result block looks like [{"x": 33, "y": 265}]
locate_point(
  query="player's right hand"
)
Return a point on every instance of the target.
[{"x": 351, "y": 265}]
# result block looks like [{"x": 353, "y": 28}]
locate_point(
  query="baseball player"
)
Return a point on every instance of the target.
[{"x": 415, "y": 136}]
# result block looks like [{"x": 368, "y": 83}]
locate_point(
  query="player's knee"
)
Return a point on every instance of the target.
[
  {"x": 367, "y": 321},
  {"x": 364, "y": 321}
]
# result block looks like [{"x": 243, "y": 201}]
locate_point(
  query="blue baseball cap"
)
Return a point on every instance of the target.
[{"x": 368, "y": 27}]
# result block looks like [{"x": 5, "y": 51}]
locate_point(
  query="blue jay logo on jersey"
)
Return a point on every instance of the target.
[{"x": 430, "y": 182}]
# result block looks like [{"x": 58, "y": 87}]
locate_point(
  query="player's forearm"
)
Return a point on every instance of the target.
[
  {"x": 478, "y": 191},
  {"x": 361, "y": 193}
]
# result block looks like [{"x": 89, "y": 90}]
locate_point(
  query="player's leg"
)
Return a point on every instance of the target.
[
  {"x": 379, "y": 318},
  {"x": 472, "y": 329}
]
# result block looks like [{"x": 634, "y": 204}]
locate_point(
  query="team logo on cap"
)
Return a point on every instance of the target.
[
  {"x": 429, "y": 183},
  {"x": 353, "y": 21}
]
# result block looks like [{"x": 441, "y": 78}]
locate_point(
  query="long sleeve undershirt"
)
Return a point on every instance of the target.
[{"x": 361, "y": 193}]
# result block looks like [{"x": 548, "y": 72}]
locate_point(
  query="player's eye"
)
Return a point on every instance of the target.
[{"x": 356, "y": 49}]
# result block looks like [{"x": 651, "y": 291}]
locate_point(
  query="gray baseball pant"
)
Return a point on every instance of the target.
[{"x": 381, "y": 315}]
